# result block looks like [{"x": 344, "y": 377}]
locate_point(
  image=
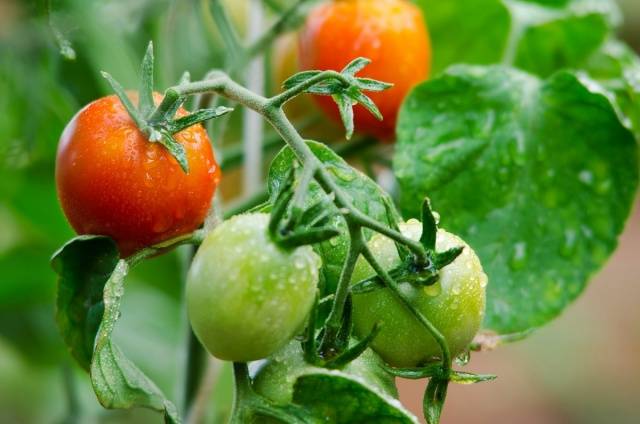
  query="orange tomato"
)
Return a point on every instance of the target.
[
  {"x": 392, "y": 33},
  {"x": 112, "y": 181}
]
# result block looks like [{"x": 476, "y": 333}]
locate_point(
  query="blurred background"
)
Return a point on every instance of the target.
[{"x": 582, "y": 368}]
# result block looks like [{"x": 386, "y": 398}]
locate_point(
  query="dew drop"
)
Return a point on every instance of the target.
[
  {"x": 463, "y": 359},
  {"x": 299, "y": 263},
  {"x": 586, "y": 177},
  {"x": 433, "y": 290},
  {"x": 519, "y": 256},
  {"x": 484, "y": 280},
  {"x": 569, "y": 246}
]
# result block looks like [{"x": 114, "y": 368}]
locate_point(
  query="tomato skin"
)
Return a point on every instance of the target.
[
  {"x": 392, "y": 33},
  {"x": 246, "y": 297},
  {"x": 275, "y": 379},
  {"x": 455, "y": 304},
  {"x": 112, "y": 181}
]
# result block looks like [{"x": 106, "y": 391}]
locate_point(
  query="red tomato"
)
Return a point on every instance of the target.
[
  {"x": 392, "y": 33},
  {"x": 112, "y": 181}
]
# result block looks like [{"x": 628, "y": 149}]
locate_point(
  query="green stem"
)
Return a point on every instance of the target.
[
  {"x": 334, "y": 320},
  {"x": 395, "y": 290}
]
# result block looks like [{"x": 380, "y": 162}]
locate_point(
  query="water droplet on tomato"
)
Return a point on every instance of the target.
[{"x": 433, "y": 290}]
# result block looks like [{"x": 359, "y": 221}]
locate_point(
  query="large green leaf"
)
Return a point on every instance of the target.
[
  {"x": 538, "y": 176},
  {"x": 364, "y": 194},
  {"x": 617, "y": 67},
  {"x": 90, "y": 290},
  {"x": 539, "y": 36},
  {"x": 341, "y": 398}
]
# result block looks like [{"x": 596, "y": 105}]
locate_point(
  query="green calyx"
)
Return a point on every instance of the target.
[
  {"x": 291, "y": 225},
  {"x": 411, "y": 270},
  {"x": 345, "y": 88},
  {"x": 159, "y": 123}
]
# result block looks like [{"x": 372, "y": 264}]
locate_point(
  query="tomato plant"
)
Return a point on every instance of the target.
[{"x": 323, "y": 273}]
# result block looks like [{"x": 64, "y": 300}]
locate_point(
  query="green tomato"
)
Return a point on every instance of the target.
[
  {"x": 247, "y": 297},
  {"x": 275, "y": 379},
  {"x": 454, "y": 305}
]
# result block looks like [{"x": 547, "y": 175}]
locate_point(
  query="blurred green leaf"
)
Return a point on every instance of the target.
[
  {"x": 540, "y": 36},
  {"x": 491, "y": 145},
  {"x": 343, "y": 399},
  {"x": 91, "y": 287}
]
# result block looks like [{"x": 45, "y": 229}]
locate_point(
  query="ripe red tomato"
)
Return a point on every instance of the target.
[
  {"x": 392, "y": 33},
  {"x": 112, "y": 181}
]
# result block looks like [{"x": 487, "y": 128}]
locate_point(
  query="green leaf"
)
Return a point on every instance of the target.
[
  {"x": 84, "y": 265},
  {"x": 146, "y": 83},
  {"x": 90, "y": 289},
  {"x": 118, "y": 383},
  {"x": 434, "y": 398},
  {"x": 364, "y": 193},
  {"x": 344, "y": 399},
  {"x": 537, "y": 176},
  {"x": 539, "y": 36},
  {"x": 617, "y": 68}
]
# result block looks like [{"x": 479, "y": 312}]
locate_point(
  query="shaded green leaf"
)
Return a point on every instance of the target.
[
  {"x": 83, "y": 265},
  {"x": 365, "y": 195},
  {"x": 90, "y": 289},
  {"x": 343, "y": 399},
  {"x": 535, "y": 35},
  {"x": 537, "y": 176}
]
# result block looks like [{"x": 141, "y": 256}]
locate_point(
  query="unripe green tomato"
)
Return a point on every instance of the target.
[
  {"x": 275, "y": 380},
  {"x": 455, "y": 304},
  {"x": 247, "y": 297}
]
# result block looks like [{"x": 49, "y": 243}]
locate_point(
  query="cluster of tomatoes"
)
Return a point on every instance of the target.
[{"x": 247, "y": 297}]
